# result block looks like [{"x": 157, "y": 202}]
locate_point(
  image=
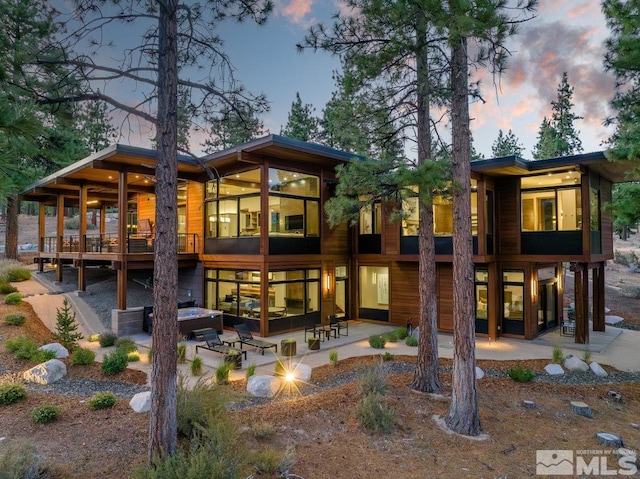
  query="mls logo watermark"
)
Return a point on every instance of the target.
[{"x": 566, "y": 462}]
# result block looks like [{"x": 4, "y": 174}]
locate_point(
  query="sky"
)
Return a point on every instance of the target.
[{"x": 566, "y": 36}]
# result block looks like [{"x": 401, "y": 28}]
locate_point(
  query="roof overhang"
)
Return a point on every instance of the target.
[{"x": 614, "y": 171}]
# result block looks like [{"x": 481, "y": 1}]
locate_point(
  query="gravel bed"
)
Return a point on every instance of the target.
[{"x": 87, "y": 388}]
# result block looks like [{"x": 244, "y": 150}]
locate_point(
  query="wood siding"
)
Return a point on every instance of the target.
[
  {"x": 404, "y": 293},
  {"x": 606, "y": 223},
  {"x": 147, "y": 207},
  {"x": 445, "y": 297},
  {"x": 390, "y": 231},
  {"x": 508, "y": 215},
  {"x": 195, "y": 213}
]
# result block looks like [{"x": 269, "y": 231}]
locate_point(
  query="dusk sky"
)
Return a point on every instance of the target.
[{"x": 565, "y": 36}]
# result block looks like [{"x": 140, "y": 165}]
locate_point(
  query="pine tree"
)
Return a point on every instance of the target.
[
  {"x": 558, "y": 137},
  {"x": 506, "y": 145},
  {"x": 67, "y": 332},
  {"x": 301, "y": 124}
]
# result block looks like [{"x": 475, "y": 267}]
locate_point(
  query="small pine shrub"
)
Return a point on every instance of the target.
[
  {"x": 377, "y": 341},
  {"x": 372, "y": 380},
  {"x": 521, "y": 375},
  {"x": 12, "y": 393},
  {"x": 196, "y": 366},
  {"x": 333, "y": 357},
  {"x": 557, "y": 355},
  {"x": 401, "y": 334},
  {"x": 13, "y": 298},
  {"x": 15, "y": 319},
  {"x": 133, "y": 357},
  {"x": 20, "y": 460},
  {"x": 102, "y": 400},
  {"x": 375, "y": 415},
  {"x": 251, "y": 370},
  {"x": 586, "y": 356},
  {"x": 83, "y": 357},
  {"x": 45, "y": 414},
  {"x": 42, "y": 356},
  {"x": 114, "y": 363},
  {"x": 107, "y": 339},
  {"x": 263, "y": 430},
  {"x": 387, "y": 356},
  {"x": 94, "y": 338},
  {"x": 411, "y": 341},
  {"x": 7, "y": 288},
  {"x": 67, "y": 332},
  {"x": 391, "y": 336},
  {"x": 222, "y": 372},
  {"x": 279, "y": 368},
  {"x": 126, "y": 345},
  {"x": 182, "y": 352},
  {"x": 24, "y": 348}
]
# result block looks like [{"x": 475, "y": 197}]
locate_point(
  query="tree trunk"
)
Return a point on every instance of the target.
[
  {"x": 463, "y": 415},
  {"x": 426, "y": 376},
  {"x": 11, "y": 233},
  {"x": 163, "y": 435}
]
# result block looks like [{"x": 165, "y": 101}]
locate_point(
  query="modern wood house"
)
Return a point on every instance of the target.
[{"x": 253, "y": 241}]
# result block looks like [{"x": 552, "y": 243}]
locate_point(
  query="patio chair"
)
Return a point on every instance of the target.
[
  {"x": 245, "y": 337},
  {"x": 215, "y": 344},
  {"x": 339, "y": 324}
]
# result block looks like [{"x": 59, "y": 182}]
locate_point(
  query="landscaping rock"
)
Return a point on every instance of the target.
[
  {"x": 615, "y": 395},
  {"x": 59, "y": 349},
  {"x": 554, "y": 369},
  {"x": 529, "y": 404},
  {"x": 609, "y": 440},
  {"x": 598, "y": 370},
  {"x": 302, "y": 372},
  {"x": 634, "y": 425},
  {"x": 611, "y": 319},
  {"x": 263, "y": 386},
  {"x": 575, "y": 364},
  {"x": 141, "y": 402},
  {"x": 581, "y": 409},
  {"x": 479, "y": 373},
  {"x": 46, "y": 373}
]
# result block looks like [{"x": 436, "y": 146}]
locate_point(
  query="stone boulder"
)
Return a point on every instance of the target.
[
  {"x": 301, "y": 372},
  {"x": 554, "y": 369},
  {"x": 575, "y": 364},
  {"x": 46, "y": 373},
  {"x": 141, "y": 402},
  {"x": 479, "y": 373},
  {"x": 598, "y": 370},
  {"x": 263, "y": 386},
  {"x": 59, "y": 349},
  {"x": 612, "y": 319}
]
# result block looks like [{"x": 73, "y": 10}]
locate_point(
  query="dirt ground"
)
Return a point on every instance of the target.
[{"x": 329, "y": 441}]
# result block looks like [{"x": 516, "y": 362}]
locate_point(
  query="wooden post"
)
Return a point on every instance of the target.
[
  {"x": 59, "y": 236},
  {"x": 582, "y": 304},
  {"x": 82, "y": 235},
  {"x": 598, "y": 298},
  {"x": 41, "y": 233},
  {"x": 122, "y": 240}
]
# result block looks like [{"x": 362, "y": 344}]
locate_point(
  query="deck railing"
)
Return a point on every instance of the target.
[{"x": 108, "y": 243}]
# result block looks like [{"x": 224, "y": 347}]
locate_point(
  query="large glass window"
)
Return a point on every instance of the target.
[
  {"x": 482, "y": 293},
  {"x": 294, "y": 292},
  {"x": 371, "y": 219},
  {"x": 233, "y": 205},
  {"x": 293, "y": 207},
  {"x": 442, "y": 214},
  {"x": 235, "y": 292},
  {"x": 374, "y": 287},
  {"x": 551, "y": 202},
  {"x": 513, "y": 294}
]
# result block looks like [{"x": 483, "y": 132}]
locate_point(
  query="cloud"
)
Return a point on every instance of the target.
[{"x": 297, "y": 11}]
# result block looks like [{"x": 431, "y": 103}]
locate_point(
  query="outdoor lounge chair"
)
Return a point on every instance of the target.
[
  {"x": 245, "y": 337},
  {"x": 339, "y": 324},
  {"x": 215, "y": 344}
]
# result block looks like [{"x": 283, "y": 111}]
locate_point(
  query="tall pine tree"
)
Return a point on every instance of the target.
[
  {"x": 506, "y": 145},
  {"x": 301, "y": 123}
]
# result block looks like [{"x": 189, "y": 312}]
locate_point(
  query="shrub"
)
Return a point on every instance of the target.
[
  {"x": 377, "y": 341},
  {"x": 387, "y": 356},
  {"x": 102, "y": 400},
  {"x": 19, "y": 460},
  {"x": 333, "y": 357},
  {"x": 263, "y": 430},
  {"x": 586, "y": 356},
  {"x": 42, "y": 356},
  {"x": 557, "y": 355},
  {"x": 11, "y": 393},
  {"x": 391, "y": 336},
  {"x": 279, "y": 368},
  {"x": 267, "y": 461},
  {"x": 83, "y": 357},
  {"x": 13, "y": 298},
  {"x": 6, "y": 288},
  {"x": 15, "y": 319},
  {"x": 521, "y": 375},
  {"x": 375, "y": 415},
  {"x": 182, "y": 352},
  {"x": 196, "y": 366},
  {"x": 94, "y": 338},
  {"x": 107, "y": 339},
  {"x": 15, "y": 274},
  {"x": 133, "y": 357},
  {"x": 114, "y": 363},
  {"x": 372, "y": 380},
  {"x": 196, "y": 404},
  {"x": 401, "y": 333},
  {"x": 67, "y": 332},
  {"x": 126, "y": 345},
  {"x": 411, "y": 341},
  {"x": 45, "y": 414},
  {"x": 22, "y": 347},
  {"x": 251, "y": 370},
  {"x": 222, "y": 372}
]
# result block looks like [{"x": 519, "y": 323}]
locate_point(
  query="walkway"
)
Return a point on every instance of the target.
[{"x": 616, "y": 347}]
